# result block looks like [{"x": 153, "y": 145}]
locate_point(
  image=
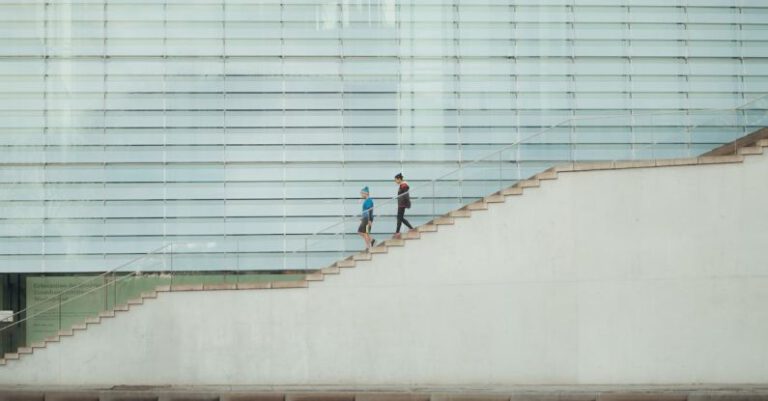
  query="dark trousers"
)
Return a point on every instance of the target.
[{"x": 401, "y": 219}]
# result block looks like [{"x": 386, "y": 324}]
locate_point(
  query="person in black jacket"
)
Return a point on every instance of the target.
[{"x": 403, "y": 202}]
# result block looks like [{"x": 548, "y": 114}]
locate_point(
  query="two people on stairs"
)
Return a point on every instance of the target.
[{"x": 366, "y": 219}]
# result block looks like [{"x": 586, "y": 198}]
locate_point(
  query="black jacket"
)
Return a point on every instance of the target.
[{"x": 403, "y": 195}]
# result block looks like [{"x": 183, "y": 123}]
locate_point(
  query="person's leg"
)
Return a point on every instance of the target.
[
  {"x": 406, "y": 222},
  {"x": 400, "y": 214},
  {"x": 363, "y": 232},
  {"x": 368, "y": 231}
]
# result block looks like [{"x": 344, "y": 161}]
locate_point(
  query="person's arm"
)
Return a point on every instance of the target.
[{"x": 368, "y": 211}]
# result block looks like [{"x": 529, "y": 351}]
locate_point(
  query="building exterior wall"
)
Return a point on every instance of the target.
[
  {"x": 645, "y": 276},
  {"x": 246, "y": 125}
]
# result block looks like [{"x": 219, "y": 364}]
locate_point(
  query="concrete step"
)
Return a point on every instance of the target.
[
  {"x": 588, "y": 166},
  {"x": 163, "y": 288},
  {"x": 621, "y": 164},
  {"x": 461, "y": 213},
  {"x": 688, "y": 161},
  {"x": 316, "y": 276},
  {"x": 149, "y": 295},
  {"x": 52, "y": 339},
  {"x": 66, "y": 333},
  {"x": 258, "y": 285},
  {"x": 186, "y": 287},
  {"x": 2, "y": 362},
  {"x": 495, "y": 198},
  {"x": 107, "y": 314},
  {"x": 346, "y": 263},
  {"x": 331, "y": 270},
  {"x": 81, "y": 326},
  {"x": 121, "y": 308},
  {"x": 290, "y": 284},
  {"x": 560, "y": 168},
  {"x": 218, "y": 287},
  {"x": 394, "y": 242},
  {"x": 11, "y": 355},
  {"x": 479, "y": 205},
  {"x": 92, "y": 320},
  {"x": 751, "y": 150},
  {"x": 379, "y": 249},
  {"x": 550, "y": 174},
  {"x": 412, "y": 235},
  {"x": 763, "y": 143},
  {"x": 427, "y": 228},
  {"x": 24, "y": 350},
  {"x": 41, "y": 344},
  {"x": 512, "y": 191},
  {"x": 362, "y": 256},
  {"x": 445, "y": 220},
  {"x": 532, "y": 183},
  {"x": 136, "y": 301},
  {"x": 725, "y": 159}
]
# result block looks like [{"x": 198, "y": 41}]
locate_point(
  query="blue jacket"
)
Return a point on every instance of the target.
[{"x": 368, "y": 209}]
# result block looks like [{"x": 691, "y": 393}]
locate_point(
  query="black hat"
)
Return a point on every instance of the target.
[{"x": 399, "y": 176}]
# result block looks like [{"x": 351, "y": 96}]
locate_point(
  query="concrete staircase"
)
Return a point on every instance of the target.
[{"x": 738, "y": 151}]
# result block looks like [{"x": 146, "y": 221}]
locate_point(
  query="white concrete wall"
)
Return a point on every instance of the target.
[{"x": 646, "y": 276}]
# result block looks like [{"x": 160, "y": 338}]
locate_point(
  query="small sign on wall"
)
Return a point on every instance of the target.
[{"x": 6, "y": 316}]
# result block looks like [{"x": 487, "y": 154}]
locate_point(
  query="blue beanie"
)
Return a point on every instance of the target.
[{"x": 365, "y": 189}]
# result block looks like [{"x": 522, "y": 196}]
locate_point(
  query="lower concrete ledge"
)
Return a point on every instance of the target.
[{"x": 554, "y": 393}]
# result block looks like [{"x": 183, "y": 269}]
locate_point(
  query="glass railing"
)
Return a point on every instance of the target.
[
  {"x": 582, "y": 139},
  {"x": 62, "y": 304}
]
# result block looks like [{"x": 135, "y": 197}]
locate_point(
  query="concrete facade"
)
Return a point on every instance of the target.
[{"x": 644, "y": 276}]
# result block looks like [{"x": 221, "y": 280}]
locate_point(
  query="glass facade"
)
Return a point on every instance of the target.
[{"x": 237, "y": 128}]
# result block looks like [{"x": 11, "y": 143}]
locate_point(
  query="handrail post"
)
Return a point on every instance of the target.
[
  {"x": 238, "y": 273},
  {"x": 501, "y": 173},
  {"x": 59, "y": 311},
  {"x": 171, "y": 273},
  {"x": 434, "y": 199},
  {"x": 571, "y": 144},
  {"x": 106, "y": 294}
]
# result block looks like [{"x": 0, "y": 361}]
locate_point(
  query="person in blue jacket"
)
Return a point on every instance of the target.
[{"x": 366, "y": 220}]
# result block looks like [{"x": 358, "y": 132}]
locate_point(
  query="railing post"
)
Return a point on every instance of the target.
[
  {"x": 171, "y": 273},
  {"x": 501, "y": 173},
  {"x": 434, "y": 199},
  {"x": 570, "y": 142},
  {"x": 238, "y": 273},
  {"x": 59, "y": 311}
]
